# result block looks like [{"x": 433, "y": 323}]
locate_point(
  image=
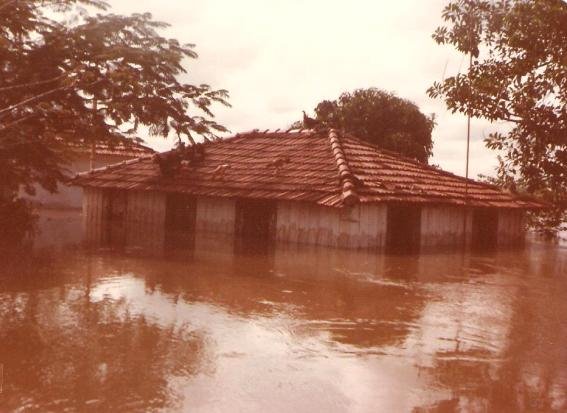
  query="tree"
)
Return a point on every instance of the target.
[
  {"x": 518, "y": 75},
  {"x": 381, "y": 118},
  {"x": 87, "y": 79}
]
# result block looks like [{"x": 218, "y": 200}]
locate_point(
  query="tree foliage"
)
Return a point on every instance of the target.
[
  {"x": 69, "y": 76},
  {"x": 518, "y": 75},
  {"x": 381, "y": 118}
]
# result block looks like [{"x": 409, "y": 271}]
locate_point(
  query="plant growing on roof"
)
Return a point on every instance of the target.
[
  {"x": 518, "y": 75},
  {"x": 84, "y": 79},
  {"x": 170, "y": 162}
]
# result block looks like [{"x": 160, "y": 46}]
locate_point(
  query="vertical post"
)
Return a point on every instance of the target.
[
  {"x": 468, "y": 142},
  {"x": 467, "y": 167},
  {"x": 91, "y": 159},
  {"x": 468, "y": 139},
  {"x": 93, "y": 149}
]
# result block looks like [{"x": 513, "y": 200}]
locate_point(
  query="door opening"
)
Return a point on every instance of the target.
[
  {"x": 180, "y": 217},
  {"x": 403, "y": 231},
  {"x": 255, "y": 225},
  {"x": 484, "y": 229},
  {"x": 115, "y": 218}
]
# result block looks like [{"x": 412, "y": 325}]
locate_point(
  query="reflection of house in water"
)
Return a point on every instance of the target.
[{"x": 311, "y": 187}]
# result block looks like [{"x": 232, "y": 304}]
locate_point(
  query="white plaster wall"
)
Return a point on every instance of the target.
[
  {"x": 68, "y": 196},
  {"x": 59, "y": 229}
]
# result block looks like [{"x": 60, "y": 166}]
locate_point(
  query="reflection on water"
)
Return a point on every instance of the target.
[{"x": 295, "y": 330}]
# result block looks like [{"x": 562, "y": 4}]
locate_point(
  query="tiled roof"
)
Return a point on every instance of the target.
[{"x": 324, "y": 167}]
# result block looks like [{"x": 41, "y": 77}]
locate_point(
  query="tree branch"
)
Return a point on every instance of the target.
[
  {"x": 9, "y": 125},
  {"x": 31, "y": 84},
  {"x": 33, "y": 98},
  {"x": 41, "y": 96}
]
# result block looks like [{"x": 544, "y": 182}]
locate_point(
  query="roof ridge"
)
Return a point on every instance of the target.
[
  {"x": 348, "y": 188},
  {"x": 143, "y": 145},
  {"x": 117, "y": 140},
  {"x": 112, "y": 166}
]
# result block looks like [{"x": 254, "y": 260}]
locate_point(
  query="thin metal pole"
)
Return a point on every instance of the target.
[
  {"x": 467, "y": 167},
  {"x": 468, "y": 141}
]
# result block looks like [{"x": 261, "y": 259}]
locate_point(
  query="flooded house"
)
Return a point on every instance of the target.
[
  {"x": 59, "y": 214},
  {"x": 319, "y": 187},
  {"x": 84, "y": 157}
]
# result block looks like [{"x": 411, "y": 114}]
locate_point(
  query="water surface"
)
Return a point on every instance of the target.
[{"x": 299, "y": 330}]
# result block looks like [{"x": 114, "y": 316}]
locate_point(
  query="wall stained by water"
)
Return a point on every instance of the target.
[{"x": 363, "y": 226}]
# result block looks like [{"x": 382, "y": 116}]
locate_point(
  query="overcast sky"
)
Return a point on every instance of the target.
[{"x": 279, "y": 57}]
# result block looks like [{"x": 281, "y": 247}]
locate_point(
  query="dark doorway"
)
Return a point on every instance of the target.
[
  {"x": 484, "y": 229},
  {"x": 116, "y": 203},
  {"x": 255, "y": 225},
  {"x": 180, "y": 216},
  {"x": 403, "y": 231}
]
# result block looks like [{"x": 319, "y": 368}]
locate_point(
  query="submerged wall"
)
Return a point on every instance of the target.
[
  {"x": 215, "y": 215},
  {"x": 358, "y": 227},
  {"x": 94, "y": 215},
  {"x": 444, "y": 226},
  {"x": 511, "y": 227},
  {"x": 145, "y": 220}
]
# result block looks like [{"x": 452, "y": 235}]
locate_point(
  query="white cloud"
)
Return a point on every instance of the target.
[{"x": 279, "y": 57}]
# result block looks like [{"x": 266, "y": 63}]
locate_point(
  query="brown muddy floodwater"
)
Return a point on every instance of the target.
[{"x": 300, "y": 330}]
